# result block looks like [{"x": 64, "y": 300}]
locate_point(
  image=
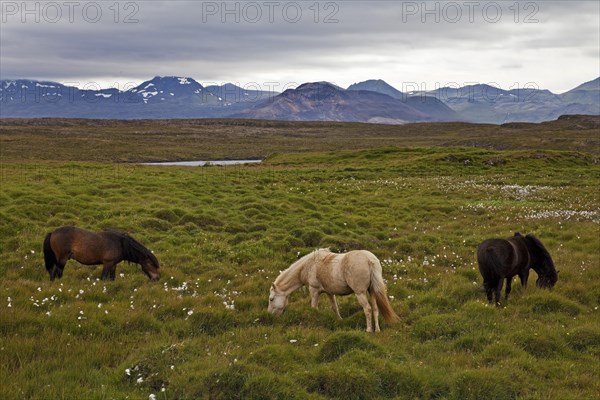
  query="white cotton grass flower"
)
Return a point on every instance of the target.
[
  {"x": 152, "y": 396},
  {"x": 127, "y": 372}
]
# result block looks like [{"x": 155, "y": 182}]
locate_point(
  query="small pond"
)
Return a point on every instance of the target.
[{"x": 200, "y": 163}]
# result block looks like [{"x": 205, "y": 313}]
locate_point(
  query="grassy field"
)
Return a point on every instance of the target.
[
  {"x": 418, "y": 197},
  {"x": 110, "y": 141}
]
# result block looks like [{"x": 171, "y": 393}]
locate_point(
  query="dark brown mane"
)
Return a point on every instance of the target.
[
  {"x": 133, "y": 251},
  {"x": 543, "y": 256}
]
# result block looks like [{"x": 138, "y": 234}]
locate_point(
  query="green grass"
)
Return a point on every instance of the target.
[{"x": 222, "y": 234}]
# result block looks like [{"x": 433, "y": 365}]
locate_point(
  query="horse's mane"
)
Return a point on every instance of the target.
[
  {"x": 133, "y": 250},
  {"x": 299, "y": 263},
  {"x": 542, "y": 252}
]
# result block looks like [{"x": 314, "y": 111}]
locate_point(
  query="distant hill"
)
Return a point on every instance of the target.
[
  {"x": 485, "y": 103},
  {"x": 165, "y": 97},
  {"x": 170, "y": 88},
  {"x": 586, "y": 94},
  {"x": 426, "y": 104},
  {"x": 232, "y": 94},
  {"x": 322, "y": 101},
  {"x": 379, "y": 86},
  {"x": 488, "y": 104}
]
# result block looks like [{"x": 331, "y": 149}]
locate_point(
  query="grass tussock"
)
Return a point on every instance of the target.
[{"x": 339, "y": 344}]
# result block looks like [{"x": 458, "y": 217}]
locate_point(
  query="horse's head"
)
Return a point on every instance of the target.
[
  {"x": 150, "y": 267},
  {"x": 136, "y": 252},
  {"x": 542, "y": 263},
  {"x": 277, "y": 301},
  {"x": 547, "y": 281},
  {"x": 547, "y": 275}
]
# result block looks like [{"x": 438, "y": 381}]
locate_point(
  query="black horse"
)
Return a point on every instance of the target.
[
  {"x": 504, "y": 258},
  {"x": 108, "y": 247}
]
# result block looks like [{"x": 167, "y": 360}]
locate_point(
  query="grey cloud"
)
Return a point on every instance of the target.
[{"x": 370, "y": 40}]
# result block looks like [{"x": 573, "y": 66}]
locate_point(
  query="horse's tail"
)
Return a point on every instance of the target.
[
  {"x": 378, "y": 290},
  {"x": 49, "y": 256},
  {"x": 491, "y": 264}
]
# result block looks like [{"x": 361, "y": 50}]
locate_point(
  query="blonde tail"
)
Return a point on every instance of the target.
[{"x": 378, "y": 290}]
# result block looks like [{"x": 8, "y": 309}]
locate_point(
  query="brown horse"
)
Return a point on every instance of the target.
[
  {"x": 357, "y": 272},
  {"x": 501, "y": 259},
  {"x": 108, "y": 247}
]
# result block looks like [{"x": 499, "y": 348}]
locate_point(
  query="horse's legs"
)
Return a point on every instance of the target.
[
  {"x": 364, "y": 302},
  {"x": 489, "y": 294},
  {"x": 334, "y": 305},
  {"x": 54, "y": 272},
  {"x": 375, "y": 312},
  {"x": 524, "y": 276},
  {"x": 499, "y": 291},
  {"x": 105, "y": 272},
  {"x": 113, "y": 271},
  {"x": 488, "y": 287},
  {"x": 508, "y": 287},
  {"x": 314, "y": 296},
  {"x": 57, "y": 271},
  {"x": 108, "y": 272}
]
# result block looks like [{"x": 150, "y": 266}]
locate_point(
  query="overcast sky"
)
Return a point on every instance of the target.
[{"x": 280, "y": 44}]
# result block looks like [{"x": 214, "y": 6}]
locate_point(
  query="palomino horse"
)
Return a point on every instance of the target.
[
  {"x": 108, "y": 247},
  {"x": 322, "y": 271},
  {"x": 501, "y": 259}
]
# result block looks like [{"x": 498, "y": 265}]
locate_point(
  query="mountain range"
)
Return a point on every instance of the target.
[{"x": 372, "y": 101}]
